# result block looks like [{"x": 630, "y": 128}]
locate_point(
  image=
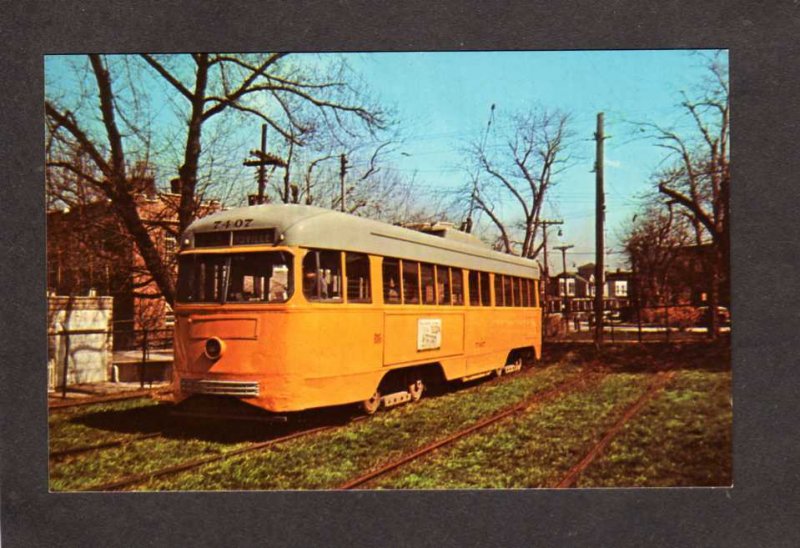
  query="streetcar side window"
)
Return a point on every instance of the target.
[
  {"x": 322, "y": 276},
  {"x": 391, "y": 281},
  {"x": 410, "y": 282},
  {"x": 474, "y": 288},
  {"x": 486, "y": 293},
  {"x": 443, "y": 284},
  {"x": 508, "y": 291},
  {"x": 458, "y": 286},
  {"x": 498, "y": 290},
  {"x": 428, "y": 283},
  {"x": 526, "y": 289},
  {"x": 356, "y": 269}
]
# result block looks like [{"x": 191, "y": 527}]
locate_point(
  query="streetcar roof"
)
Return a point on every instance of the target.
[{"x": 314, "y": 227}]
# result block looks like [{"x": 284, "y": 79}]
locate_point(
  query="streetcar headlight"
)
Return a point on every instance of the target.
[{"x": 214, "y": 348}]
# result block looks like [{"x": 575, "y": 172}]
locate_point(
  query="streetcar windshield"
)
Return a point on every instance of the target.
[{"x": 235, "y": 278}]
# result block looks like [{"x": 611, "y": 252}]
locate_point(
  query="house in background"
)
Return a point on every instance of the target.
[{"x": 575, "y": 291}]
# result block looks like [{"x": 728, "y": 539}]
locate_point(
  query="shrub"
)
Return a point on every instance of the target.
[{"x": 679, "y": 316}]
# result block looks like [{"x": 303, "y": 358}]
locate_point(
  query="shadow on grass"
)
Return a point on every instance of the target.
[
  {"x": 161, "y": 419},
  {"x": 164, "y": 419}
]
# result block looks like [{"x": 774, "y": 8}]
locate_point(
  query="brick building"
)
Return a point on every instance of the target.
[{"x": 90, "y": 253}]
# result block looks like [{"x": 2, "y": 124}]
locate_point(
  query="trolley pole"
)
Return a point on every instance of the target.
[
  {"x": 262, "y": 168},
  {"x": 600, "y": 212}
]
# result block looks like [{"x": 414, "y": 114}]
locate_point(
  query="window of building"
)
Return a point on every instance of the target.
[
  {"x": 571, "y": 287},
  {"x": 391, "y": 281},
  {"x": 322, "y": 275},
  {"x": 410, "y": 282},
  {"x": 428, "y": 283},
  {"x": 457, "y": 277},
  {"x": 357, "y": 273},
  {"x": 443, "y": 284},
  {"x": 621, "y": 288},
  {"x": 170, "y": 248}
]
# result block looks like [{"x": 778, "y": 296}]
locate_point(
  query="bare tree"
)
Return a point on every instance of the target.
[
  {"x": 517, "y": 176},
  {"x": 653, "y": 244},
  {"x": 264, "y": 86},
  {"x": 698, "y": 179}
]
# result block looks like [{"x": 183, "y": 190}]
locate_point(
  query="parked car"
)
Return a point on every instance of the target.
[{"x": 723, "y": 315}]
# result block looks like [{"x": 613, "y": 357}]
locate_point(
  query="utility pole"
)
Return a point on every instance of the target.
[
  {"x": 563, "y": 249},
  {"x": 262, "y": 168},
  {"x": 262, "y": 159},
  {"x": 599, "y": 268},
  {"x": 342, "y": 170},
  {"x": 545, "y": 224}
]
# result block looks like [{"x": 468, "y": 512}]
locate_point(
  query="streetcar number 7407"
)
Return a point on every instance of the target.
[{"x": 238, "y": 223}]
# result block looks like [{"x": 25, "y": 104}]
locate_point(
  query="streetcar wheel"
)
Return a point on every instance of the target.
[
  {"x": 371, "y": 405},
  {"x": 415, "y": 389},
  {"x": 498, "y": 372}
]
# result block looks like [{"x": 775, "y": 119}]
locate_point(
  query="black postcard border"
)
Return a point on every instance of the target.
[{"x": 756, "y": 511}]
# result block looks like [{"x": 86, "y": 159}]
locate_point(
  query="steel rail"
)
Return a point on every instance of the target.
[
  {"x": 572, "y": 475},
  {"x": 518, "y": 408},
  {"x": 57, "y": 405},
  {"x": 54, "y": 455},
  {"x": 146, "y": 476}
]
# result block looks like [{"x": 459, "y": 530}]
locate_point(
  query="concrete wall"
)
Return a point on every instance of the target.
[{"x": 90, "y": 355}]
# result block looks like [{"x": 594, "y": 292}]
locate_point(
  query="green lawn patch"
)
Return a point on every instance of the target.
[
  {"x": 328, "y": 459},
  {"x": 531, "y": 450},
  {"x": 101, "y": 423},
  {"x": 682, "y": 438}
]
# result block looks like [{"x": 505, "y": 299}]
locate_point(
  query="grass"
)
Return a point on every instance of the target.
[
  {"x": 80, "y": 426},
  {"x": 683, "y": 438},
  {"x": 330, "y": 458},
  {"x": 532, "y": 450}
]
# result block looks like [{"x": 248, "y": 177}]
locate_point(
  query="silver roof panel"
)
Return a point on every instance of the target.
[{"x": 314, "y": 227}]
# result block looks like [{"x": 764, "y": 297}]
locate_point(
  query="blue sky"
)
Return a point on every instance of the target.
[{"x": 443, "y": 100}]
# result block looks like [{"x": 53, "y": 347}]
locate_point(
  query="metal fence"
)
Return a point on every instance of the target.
[
  {"x": 74, "y": 350},
  {"x": 671, "y": 323}
]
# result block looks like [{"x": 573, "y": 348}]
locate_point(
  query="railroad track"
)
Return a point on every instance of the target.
[
  {"x": 518, "y": 408},
  {"x": 56, "y": 455},
  {"x": 58, "y": 406},
  {"x": 572, "y": 475},
  {"x": 134, "y": 479}
]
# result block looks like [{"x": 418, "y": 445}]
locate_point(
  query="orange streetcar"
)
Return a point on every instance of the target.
[{"x": 291, "y": 307}]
